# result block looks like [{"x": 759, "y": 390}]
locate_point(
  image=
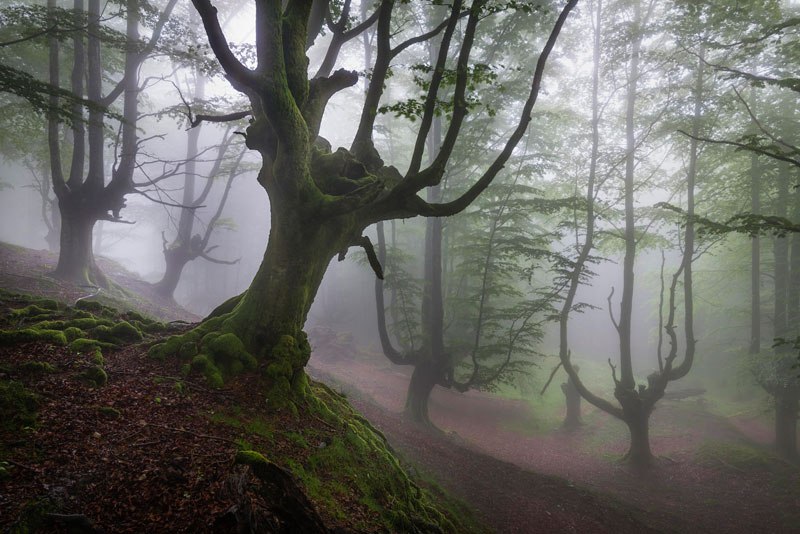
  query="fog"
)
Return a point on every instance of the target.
[{"x": 660, "y": 166}]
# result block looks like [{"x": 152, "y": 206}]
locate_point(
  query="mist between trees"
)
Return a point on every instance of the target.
[{"x": 478, "y": 191}]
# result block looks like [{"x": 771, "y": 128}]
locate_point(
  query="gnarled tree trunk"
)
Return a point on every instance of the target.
[{"x": 76, "y": 260}]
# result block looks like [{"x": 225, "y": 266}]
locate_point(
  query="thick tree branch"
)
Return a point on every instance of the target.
[
  {"x": 432, "y": 174},
  {"x": 339, "y": 38},
  {"x": 197, "y": 120},
  {"x": 433, "y": 89},
  {"x": 241, "y": 78},
  {"x": 320, "y": 92}
]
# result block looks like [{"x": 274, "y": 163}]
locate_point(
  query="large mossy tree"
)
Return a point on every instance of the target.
[{"x": 321, "y": 201}]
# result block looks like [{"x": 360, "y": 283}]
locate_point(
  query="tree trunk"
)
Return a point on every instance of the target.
[
  {"x": 639, "y": 454},
  {"x": 176, "y": 259},
  {"x": 281, "y": 294},
  {"x": 76, "y": 258},
  {"x": 423, "y": 380},
  {"x": 787, "y": 410},
  {"x": 573, "y": 400}
]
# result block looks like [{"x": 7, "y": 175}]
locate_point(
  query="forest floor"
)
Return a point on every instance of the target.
[
  {"x": 713, "y": 474},
  {"x": 25, "y": 270},
  {"x": 153, "y": 450}
]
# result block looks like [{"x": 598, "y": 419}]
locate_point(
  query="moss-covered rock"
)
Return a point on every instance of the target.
[
  {"x": 85, "y": 346},
  {"x": 95, "y": 375},
  {"x": 125, "y": 331},
  {"x": 204, "y": 364},
  {"x": 170, "y": 347},
  {"x": 72, "y": 333},
  {"x": 18, "y": 406},
  {"x": 12, "y": 337},
  {"x": 229, "y": 354},
  {"x": 32, "y": 310},
  {"x": 37, "y": 367},
  {"x": 92, "y": 306}
]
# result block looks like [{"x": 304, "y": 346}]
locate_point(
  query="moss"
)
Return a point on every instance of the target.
[
  {"x": 103, "y": 333},
  {"x": 97, "y": 358},
  {"x": 252, "y": 458},
  {"x": 72, "y": 333},
  {"x": 32, "y": 310},
  {"x": 136, "y": 316},
  {"x": 52, "y": 325},
  {"x": 150, "y": 327},
  {"x": 357, "y": 459},
  {"x": 125, "y": 331},
  {"x": 188, "y": 350},
  {"x": 203, "y": 364},
  {"x": 18, "y": 406},
  {"x": 169, "y": 347},
  {"x": 228, "y": 353},
  {"x": 91, "y": 306},
  {"x": 87, "y": 323},
  {"x": 37, "y": 367},
  {"x": 85, "y": 345},
  {"x": 12, "y": 337},
  {"x": 95, "y": 375}
]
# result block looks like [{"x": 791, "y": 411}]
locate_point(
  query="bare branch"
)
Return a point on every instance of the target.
[
  {"x": 744, "y": 146},
  {"x": 610, "y": 311},
  {"x": 235, "y": 116},
  {"x": 206, "y": 257},
  {"x": 157, "y": 201},
  {"x": 552, "y": 374}
]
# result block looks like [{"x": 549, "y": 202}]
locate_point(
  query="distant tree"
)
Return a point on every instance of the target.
[
  {"x": 634, "y": 402},
  {"x": 321, "y": 201},
  {"x": 84, "y": 195}
]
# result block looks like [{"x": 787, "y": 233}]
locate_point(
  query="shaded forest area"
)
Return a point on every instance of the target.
[{"x": 350, "y": 266}]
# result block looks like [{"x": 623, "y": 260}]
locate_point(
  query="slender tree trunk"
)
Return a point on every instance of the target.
[
  {"x": 786, "y": 395},
  {"x": 626, "y": 304},
  {"x": 573, "y": 401},
  {"x": 787, "y": 410},
  {"x": 176, "y": 259},
  {"x": 781, "y": 254},
  {"x": 755, "y": 260},
  {"x": 793, "y": 299},
  {"x": 424, "y": 378},
  {"x": 432, "y": 367}
]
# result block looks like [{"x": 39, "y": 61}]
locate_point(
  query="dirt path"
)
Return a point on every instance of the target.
[
  {"x": 682, "y": 494},
  {"x": 504, "y": 496}
]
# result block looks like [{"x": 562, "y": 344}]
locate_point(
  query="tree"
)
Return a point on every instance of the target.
[
  {"x": 83, "y": 195},
  {"x": 322, "y": 201},
  {"x": 635, "y": 402}
]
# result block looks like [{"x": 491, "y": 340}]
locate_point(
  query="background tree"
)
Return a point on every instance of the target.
[{"x": 83, "y": 195}]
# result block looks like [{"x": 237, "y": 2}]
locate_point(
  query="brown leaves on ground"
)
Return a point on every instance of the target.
[{"x": 147, "y": 452}]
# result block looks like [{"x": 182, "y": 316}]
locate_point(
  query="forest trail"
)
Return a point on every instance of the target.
[{"x": 691, "y": 489}]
